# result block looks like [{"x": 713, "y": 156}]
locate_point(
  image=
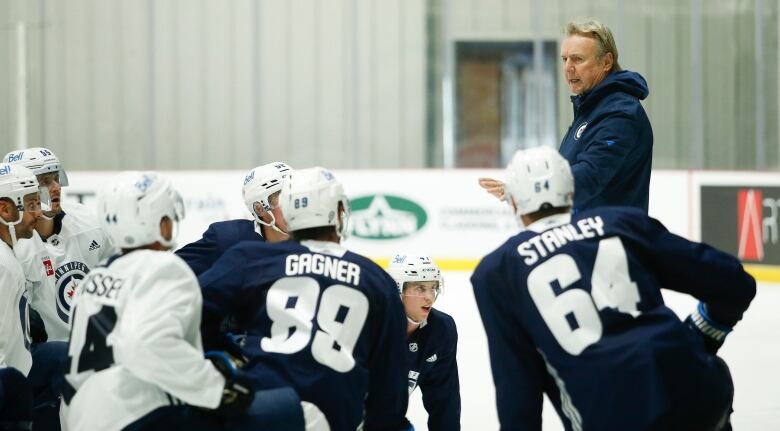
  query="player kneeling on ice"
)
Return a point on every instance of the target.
[
  {"x": 262, "y": 186},
  {"x": 135, "y": 356},
  {"x": 322, "y": 319},
  {"x": 572, "y": 307},
  {"x": 432, "y": 340}
]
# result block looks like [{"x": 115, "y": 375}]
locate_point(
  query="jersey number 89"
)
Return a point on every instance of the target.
[{"x": 292, "y": 307}]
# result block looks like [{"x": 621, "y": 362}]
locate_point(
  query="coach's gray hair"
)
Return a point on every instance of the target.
[{"x": 593, "y": 29}]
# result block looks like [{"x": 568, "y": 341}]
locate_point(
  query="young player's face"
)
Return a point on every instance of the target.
[
  {"x": 166, "y": 230},
  {"x": 32, "y": 212},
  {"x": 582, "y": 67},
  {"x": 418, "y": 298},
  {"x": 51, "y": 181}
]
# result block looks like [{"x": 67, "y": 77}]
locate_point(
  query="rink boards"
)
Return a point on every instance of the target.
[{"x": 446, "y": 214}]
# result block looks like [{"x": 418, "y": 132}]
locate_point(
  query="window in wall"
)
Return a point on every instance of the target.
[{"x": 502, "y": 102}]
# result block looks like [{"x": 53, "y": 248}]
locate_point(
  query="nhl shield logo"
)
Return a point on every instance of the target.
[{"x": 580, "y": 131}]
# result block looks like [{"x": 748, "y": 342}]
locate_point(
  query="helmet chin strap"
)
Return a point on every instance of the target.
[
  {"x": 11, "y": 230},
  {"x": 272, "y": 224}
]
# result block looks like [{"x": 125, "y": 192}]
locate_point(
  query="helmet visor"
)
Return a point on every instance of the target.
[
  {"x": 430, "y": 289},
  {"x": 45, "y": 199}
]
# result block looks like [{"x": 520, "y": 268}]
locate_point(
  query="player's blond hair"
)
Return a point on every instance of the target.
[{"x": 599, "y": 32}]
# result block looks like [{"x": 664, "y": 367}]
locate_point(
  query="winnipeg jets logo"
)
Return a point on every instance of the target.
[
  {"x": 580, "y": 131},
  {"x": 66, "y": 279},
  {"x": 412, "y": 347},
  {"x": 432, "y": 359}
]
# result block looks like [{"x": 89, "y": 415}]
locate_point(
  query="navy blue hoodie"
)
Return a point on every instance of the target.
[{"x": 610, "y": 144}]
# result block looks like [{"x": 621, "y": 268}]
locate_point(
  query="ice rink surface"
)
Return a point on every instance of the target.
[{"x": 752, "y": 352}]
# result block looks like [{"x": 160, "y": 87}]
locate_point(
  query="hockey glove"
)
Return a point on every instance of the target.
[
  {"x": 239, "y": 391},
  {"x": 713, "y": 333}
]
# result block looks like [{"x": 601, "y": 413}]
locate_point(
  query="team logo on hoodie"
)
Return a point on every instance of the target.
[{"x": 580, "y": 130}]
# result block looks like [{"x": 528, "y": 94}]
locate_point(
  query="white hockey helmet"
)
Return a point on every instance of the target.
[
  {"x": 131, "y": 206},
  {"x": 310, "y": 198},
  {"x": 16, "y": 182},
  {"x": 259, "y": 184},
  {"x": 539, "y": 178},
  {"x": 415, "y": 267},
  {"x": 39, "y": 161}
]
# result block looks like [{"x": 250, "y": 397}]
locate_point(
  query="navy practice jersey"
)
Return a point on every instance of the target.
[
  {"x": 218, "y": 238},
  {"x": 572, "y": 307},
  {"x": 432, "y": 365},
  {"x": 319, "y": 318}
]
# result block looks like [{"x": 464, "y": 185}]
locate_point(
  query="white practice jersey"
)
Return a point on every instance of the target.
[
  {"x": 55, "y": 267},
  {"x": 136, "y": 343},
  {"x": 14, "y": 314}
]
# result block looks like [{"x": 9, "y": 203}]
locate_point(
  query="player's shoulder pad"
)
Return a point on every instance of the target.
[
  {"x": 622, "y": 217},
  {"x": 8, "y": 261},
  {"x": 158, "y": 273},
  {"x": 156, "y": 260},
  {"x": 254, "y": 250},
  {"x": 446, "y": 322},
  {"x": 492, "y": 261},
  {"x": 79, "y": 218},
  {"x": 237, "y": 226}
]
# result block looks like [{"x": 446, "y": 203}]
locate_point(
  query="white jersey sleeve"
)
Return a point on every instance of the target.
[
  {"x": 159, "y": 335},
  {"x": 14, "y": 314},
  {"x": 144, "y": 311}
]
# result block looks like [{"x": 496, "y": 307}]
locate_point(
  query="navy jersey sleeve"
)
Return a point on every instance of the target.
[
  {"x": 201, "y": 254},
  {"x": 222, "y": 287},
  {"x": 441, "y": 387},
  {"x": 518, "y": 370},
  {"x": 388, "y": 394},
  {"x": 606, "y": 153},
  {"x": 712, "y": 276}
]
